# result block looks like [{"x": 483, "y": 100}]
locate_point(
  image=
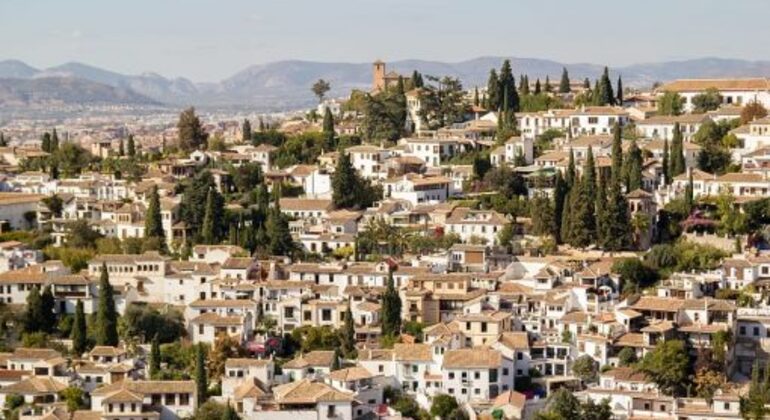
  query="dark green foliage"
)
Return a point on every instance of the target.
[
  {"x": 154, "y": 357},
  {"x": 277, "y": 232},
  {"x": 210, "y": 234},
  {"x": 349, "y": 190},
  {"x": 320, "y": 88},
  {"x": 668, "y": 365},
  {"x": 508, "y": 88},
  {"x": 192, "y": 136},
  {"x": 677, "y": 163},
  {"x": 442, "y": 102},
  {"x": 559, "y": 200},
  {"x": 494, "y": 98},
  {"x": 634, "y": 274},
  {"x": 627, "y": 356},
  {"x": 33, "y": 316},
  {"x": 349, "y": 335},
  {"x": 201, "y": 377},
  {"x": 564, "y": 404},
  {"x": 605, "y": 95},
  {"x": 246, "y": 131},
  {"x": 390, "y": 311},
  {"x": 144, "y": 322},
  {"x": 585, "y": 368},
  {"x": 47, "y": 305},
  {"x": 670, "y": 104},
  {"x": 3, "y": 140},
  {"x": 131, "y": 147},
  {"x": 442, "y": 405},
  {"x": 106, "y": 328},
  {"x": 564, "y": 86},
  {"x": 614, "y": 222},
  {"x": 617, "y": 155},
  {"x": 153, "y": 224},
  {"x": 633, "y": 169},
  {"x": 619, "y": 92},
  {"x": 81, "y": 235},
  {"x": 665, "y": 163},
  {"x": 709, "y": 100},
  {"x": 542, "y": 214},
  {"x": 79, "y": 334}
]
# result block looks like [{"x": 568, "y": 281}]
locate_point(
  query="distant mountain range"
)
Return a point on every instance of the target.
[{"x": 285, "y": 85}]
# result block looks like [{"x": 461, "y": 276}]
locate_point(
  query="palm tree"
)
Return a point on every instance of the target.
[{"x": 641, "y": 224}]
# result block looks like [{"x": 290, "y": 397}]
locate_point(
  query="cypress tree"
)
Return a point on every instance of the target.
[
  {"x": 349, "y": 335},
  {"x": 47, "y": 305},
  {"x": 328, "y": 130},
  {"x": 121, "y": 148},
  {"x": 201, "y": 380},
  {"x": 589, "y": 176},
  {"x": 582, "y": 223},
  {"x": 634, "y": 167},
  {"x": 537, "y": 86},
  {"x": 606, "y": 97},
  {"x": 689, "y": 192},
  {"x": 54, "y": 141},
  {"x": 154, "y": 357},
  {"x": 79, "y": 333},
  {"x": 525, "y": 85},
  {"x": 493, "y": 91},
  {"x": 277, "y": 234},
  {"x": 665, "y": 163},
  {"x": 677, "y": 152},
  {"x": 476, "y": 101},
  {"x": 616, "y": 219},
  {"x": 345, "y": 183},
  {"x": 230, "y": 413},
  {"x": 601, "y": 211},
  {"x": 208, "y": 229},
  {"x": 619, "y": 91},
  {"x": 153, "y": 225},
  {"x": 3, "y": 142},
  {"x": 336, "y": 365},
  {"x": 246, "y": 131},
  {"x": 45, "y": 142},
  {"x": 391, "y": 309},
  {"x": 564, "y": 86},
  {"x": 571, "y": 169},
  {"x": 617, "y": 155},
  {"x": 560, "y": 191},
  {"x": 508, "y": 86},
  {"x": 548, "y": 88},
  {"x": 417, "y": 81},
  {"x": 106, "y": 316},
  {"x": 33, "y": 317},
  {"x": 586, "y": 84},
  {"x": 131, "y": 147}
]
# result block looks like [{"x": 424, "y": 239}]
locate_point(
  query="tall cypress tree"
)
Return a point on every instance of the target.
[
  {"x": 153, "y": 224},
  {"x": 208, "y": 232},
  {"x": 79, "y": 334},
  {"x": 677, "y": 152},
  {"x": 493, "y": 91},
  {"x": 666, "y": 166},
  {"x": 33, "y": 316},
  {"x": 548, "y": 88},
  {"x": 345, "y": 183},
  {"x": 570, "y": 178},
  {"x": 45, "y": 142},
  {"x": 524, "y": 86},
  {"x": 106, "y": 316},
  {"x": 476, "y": 100},
  {"x": 246, "y": 131},
  {"x": 617, "y": 155},
  {"x": 538, "y": 90},
  {"x": 564, "y": 86},
  {"x": 54, "y": 141},
  {"x": 689, "y": 194},
  {"x": 3, "y": 141},
  {"x": 201, "y": 378},
  {"x": 634, "y": 167},
  {"x": 279, "y": 239},
  {"x": 560, "y": 191},
  {"x": 617, "y": 226},
  {"x": 121, "y": 148},
  {"x": 349, "y": 335},
  {"x": 606, "y": 96},
  {"x": 154, "y": 357},
  {"x": 47, "y": 305},
  {"x": 589, "y": 176},
  {"x": 508, "y": 87},
  {"x": 131, "y": 147},
  {"x": 391, "y": 309},
  {"x": 619, "y": 91},
  {"x": 601, "y": 211}
]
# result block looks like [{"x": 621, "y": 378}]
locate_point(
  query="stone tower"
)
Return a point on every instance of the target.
[{"x": 378, "y": 76}]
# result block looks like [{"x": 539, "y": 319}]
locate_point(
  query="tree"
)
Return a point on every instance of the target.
[
  {"x": 627, "y": 356},
  {"x": 246, "y": 131},
  {"x": 349, "y": 335},
  {"x": 709, "y": 100},
  {"x": 201, "y": 378},
  {"x": 508, "y": 87},
  {"x": 564, "y": 404},
  {"x": 564, "y": 86},
  {"x": 121, "y": 148},
  {"x": 752, "y": 111},
  {"x": 617, "y": 154},
  {"x": 320, "y": 88},
  {"x": 547, "y": 86},
  {"x": 667, "y": 178},
  {"x": 605, "y": 94},
  {"x": 191, "y": 136},
  {"x": 615, "y": 221},
  {"x": 442, "y": 405},
  {"x": 634, "y": 274},
  {"x": 3, "y": 140},
  {"x": 493, "y": 91},
  {"x": 209, "y": 234},
  {"x": 131, "y": 147},
  {"x": 154, "y": 357},
  {"x": 54, "y": 141},
  {"x": 670, "y": 103},
  {"x": 225, "y": 347},
  {"x": 560, "y": 191},
  {"x": 752, "y": 405},
  {"x": 538, "y": 88},
  {"x": 677, "y": 163},
  {"x": 47, "y": 305},
  {"x": 349, "y": 190},
  {"x": 45, "y": 142},
  {"x": 74, "y": 397},
  {"x": 153, "y": 223},
  {"x": 280, "y": 241},
  {"x": 33, "y": 316},
  {"x": 79, "y": 333},
  {"x": 667, "y": 365},
  {"x": 442, "y": 102},
  {"x": 230, "y": 413},
  {"x": 542, "y": 214},
  {"x": 391, "y": 309},
  {"x": 585, "y": 368},
  {"x": 106, "y": 317},
  {"x": 633, "y": 172},
  {"x": 619, "y": 91}
]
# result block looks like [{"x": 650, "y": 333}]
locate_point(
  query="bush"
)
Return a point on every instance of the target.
[
  {"x": 443, "y": 405},
  {"x": 634, "y": 274}
]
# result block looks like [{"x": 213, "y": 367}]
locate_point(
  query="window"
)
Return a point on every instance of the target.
[
  {"x": 463, "y": 391},
  {"x": 756, "y": 331},
  {"x": 483, "y": 327},
  {"x": 330, "y": 411},
  {"x": 593, "y": 120},
  {"x": 505, "y": 371},
  {"x": 200, "y": 329},
  {"x": 451, "y": 390},
  {"x": 476, "y": 375},
  {"x": 170, "y": 399},
  {"x": 381, "y": 368},
  {"x": 451, "y": 375},
  {"x": 476, "y": 391},
  {"x": 326, "y": 314}
]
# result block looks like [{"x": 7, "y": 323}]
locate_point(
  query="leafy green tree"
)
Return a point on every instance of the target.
[
  {"x": 753, "y": 403},
  {"x": 106, "y": 327},
  {"x": 320, "y": 88},
  {"x": 670, "y": 103},
  {"x": 74, "y": 397},
  {"x": 709, "y": 100},
  {"x": 54, "y": 141},
  {"x": 542, "y": 214},
  {"x": 153, "y": 223},
  {"x": 33, "y": 316},
  {"x": 627, "y": 356},
  {"x": 230, "y": 413},
  {"x": 349, "y": 190},
  {"x": 201, "y": 377},
  {"x": 79, "y": 334},
  {"x": 390, "y": 311},
  {"x": 191, "y": 136},
  {"x": 280, "y": 241},
  {"x": 564, "y": 404},
  {"x": 634, "y": 274},
  {"x": 753, "y": 110},
  {"x": 667, "y": 365},
  {"x": 442, "y": 102},
  {"x": 442, "y": 405},
  {"x": 564, "y": 85},
  {"x": 605, "y": 94},
  {"x": 586, "y": 368},
  {"x": 45, "y": 142},
  {"x": 594, "y": 411},
  {"x": 615, "y": 221}
]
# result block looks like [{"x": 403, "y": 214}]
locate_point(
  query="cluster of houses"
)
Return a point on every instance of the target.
[{"x": 500, "y": 332}]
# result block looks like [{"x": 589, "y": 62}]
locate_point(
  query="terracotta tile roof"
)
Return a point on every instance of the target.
[
  {"x": 472, "y": 358},
  {"x": 307, "y": 392},
  {"x": 107, "y": 351},
  {"x": 212, "y": 318},
  {"x": 35, "y": 385},
  {"x": 376, "y": 355},
  {"x": 513, "y": 398},
  {"x": 626, "y": 374},
  {"x": 318, "y": 358},
  {"x": 698, "y": 85},
  {"x": 148, "y": 387},
  {"x": 654, "y": 303},
  {"x": 630, "y": 340},
  {"x": 239, "y": 362},
  {"x": 514, "y": 339},
  {"x": 223, "y": 303},
  {"x": 413, "y": 352},
  {"x": 237, "y": 263},
  {"x": 355, "y": 373},
  {"x": 305, "y": 204}
]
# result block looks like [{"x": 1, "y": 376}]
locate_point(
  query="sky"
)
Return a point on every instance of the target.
[{"x": 209, "y": 40}]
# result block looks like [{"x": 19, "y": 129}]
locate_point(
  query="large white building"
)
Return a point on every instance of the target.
[{"x": 733, "y": 91}]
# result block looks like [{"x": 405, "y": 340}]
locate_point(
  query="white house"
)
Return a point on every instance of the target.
[{"x": 733, "y": 91}]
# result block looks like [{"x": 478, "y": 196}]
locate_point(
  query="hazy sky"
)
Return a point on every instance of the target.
[{"x": 207, "y": 40}]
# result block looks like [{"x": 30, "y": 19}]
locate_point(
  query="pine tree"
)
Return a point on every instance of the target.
[
  {"x": 666, "y": 166},
  {"x": 33, "y": 316},
  {"x": 508, "y": 86},
  {"x": 634, "y": 167},
  {"x": 537, "y": 86},
  {"x": 570, "y": 178},
  {"x": 619, "y": 91},
  {"x": 677, "y": 152},
  {"x": 345, "y": 183},
  {"x": 606, "y": 96},
  {"x": 617, "y": 155},
  {"x": 47, "y": 305},
  {"x": 476, "y": 100},
  {"x": 106, "y": 316},
  {"x": 45, "y": 142},
  {"x": 547, "y": 87},
  {"x": 349, "y": 335},
  {"x": 153, "y": 224},
  {"x": 586, "y": 84},
  {"x": 154, "y": 357},
  {"x": 589, "y": 176},
  {"x": 121, "y": 148},
  {"x": 201, "y": 378},
  {"x": 277, "y": 234},
  {"x": 564, "y": 86},
  {"x": 246, "y": 131},
  {"x": 131, "y": 148},
  {"x": 54, "y": 141},
  {"x": 417, "y": 81},
  {"x": 689, "y": 194},
  {"x": 79, "y": 333},
  {"x": 525, "y": 85},
  {"x": 391, "y": 309},
  {"x": 582, "y": 225},
  {"x": 208, "y": 229},
  {"x": 328, "y": 129},
  {"x": 493, "y": 91},
  {"x": 616, "y": 220}
]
